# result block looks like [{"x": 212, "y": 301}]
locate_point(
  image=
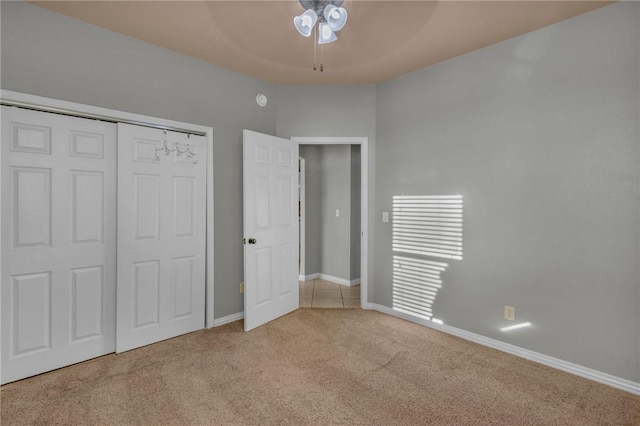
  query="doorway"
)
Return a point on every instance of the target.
[
  {"x": 323, "y": 283},
  {"x": 332, "y": 222}
]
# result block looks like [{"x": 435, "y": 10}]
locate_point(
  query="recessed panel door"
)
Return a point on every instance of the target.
[
  {"x": 58, "y": 241},
  {"x": 161, "y": 235},
  {"x": 270, "y": 228}
]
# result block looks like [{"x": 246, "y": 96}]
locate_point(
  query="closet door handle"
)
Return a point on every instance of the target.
[{"x": 252, "y": 241}]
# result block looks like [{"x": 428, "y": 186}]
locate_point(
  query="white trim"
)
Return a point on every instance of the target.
[
  {"x": 209, "y": 293},
  {"x": 9, "y": 95},
  {"x": 309, "y": 277},
  {"x": 364, "y": 198},
  {"x": 303, "y": 235},
  {"x": 229, "y": 318},
  {"x": 334, "y": 279},
  {"x": 337, "y": 280},
  {"x": 569, "y": 367},
  {"x": 322, "y": 276}
]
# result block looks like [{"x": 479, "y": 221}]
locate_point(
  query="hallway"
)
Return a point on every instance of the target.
[{"x": 320, "y": 293}]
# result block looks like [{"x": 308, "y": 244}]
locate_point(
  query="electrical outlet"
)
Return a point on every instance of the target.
[
  {"x": 241, "y": 286},
  {"x": 509, "y": 313}
]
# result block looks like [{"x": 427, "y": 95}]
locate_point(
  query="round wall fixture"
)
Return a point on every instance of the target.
[{"x": 261, "y": 99}]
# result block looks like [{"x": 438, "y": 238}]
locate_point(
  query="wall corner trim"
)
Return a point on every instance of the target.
[
  {"x": 334, "y": 279},
  {"x": 559, "y": 364},
  {"x": 308, "y": 277},
  {"x": 217, "y": 322}
]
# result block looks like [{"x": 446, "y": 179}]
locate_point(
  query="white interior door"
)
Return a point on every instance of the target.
[
  {"x": 270, "y": 177},
  {"x": 161, "y": 235},
  {"x": 58, "y": 241}
]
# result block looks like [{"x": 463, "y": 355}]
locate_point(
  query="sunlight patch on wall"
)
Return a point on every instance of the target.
[
  {"x": 428, "y": 225},
  {"x": 516, "y": 326},
  {"x": 415, "y": 285}
]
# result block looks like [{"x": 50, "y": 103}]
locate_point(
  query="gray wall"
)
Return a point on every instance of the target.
[
  {"x": 313, "y": 206},
  {"x": 333, "y": 111},
  {"x": 47, "y": 54},
  {"x": 638, "y": 233},
  {"x": 336, "y": 195},
  {"x": 540, "y": 134},
  {"x": 355, "y": 211}
]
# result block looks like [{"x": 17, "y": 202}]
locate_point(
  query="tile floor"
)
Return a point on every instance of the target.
[{"x": 325, "y": 294}]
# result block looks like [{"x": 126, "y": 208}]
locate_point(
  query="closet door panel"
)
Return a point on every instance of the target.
[
  {"x": 161, "y": 235},
  {"x": 58, "y": 241}
]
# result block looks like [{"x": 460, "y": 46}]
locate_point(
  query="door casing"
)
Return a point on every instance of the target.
[{"x": 301, "y": 215}]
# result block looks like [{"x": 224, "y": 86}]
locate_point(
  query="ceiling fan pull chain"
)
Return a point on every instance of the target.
[{"x": 315, "y": 35}]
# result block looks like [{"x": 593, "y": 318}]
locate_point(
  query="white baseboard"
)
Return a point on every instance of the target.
[
  {"x": 217, "y": 322},
  {"x": 308, "y": 277},
  {"x": 578, "y": 370},
  {"x": 322, "y": 276},
  {"x": 333, "y": 279},
  {"x": 338, "y": 280}
]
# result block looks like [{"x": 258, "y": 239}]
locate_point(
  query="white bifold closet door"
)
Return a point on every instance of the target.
[
  {"x": 161, "y": 235},
  {"x": 58, "y": 241},
  {"x": 63, "y": 297}
]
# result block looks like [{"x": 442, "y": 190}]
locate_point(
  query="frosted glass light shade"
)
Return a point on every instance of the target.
[
  {"x": 304, "y": 23},
  {"x": 336, "y": 17},
  {"x": 326, "y": 34}
]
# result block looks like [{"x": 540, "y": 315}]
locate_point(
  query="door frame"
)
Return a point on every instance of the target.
[
  {"x": 363, "y": 141},
  {"x": 301, "y": 214},
  {"x": 39, "y": 103}
]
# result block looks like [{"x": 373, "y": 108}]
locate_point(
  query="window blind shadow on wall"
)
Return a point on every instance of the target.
[
  {"x": 428, "y": 225},
  {"x": 423, "y": 226}
]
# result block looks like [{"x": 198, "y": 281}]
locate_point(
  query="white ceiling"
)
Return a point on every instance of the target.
[{"x": 382, "y": 39}]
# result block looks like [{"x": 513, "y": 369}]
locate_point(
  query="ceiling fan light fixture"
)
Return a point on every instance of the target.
[
  {"x": 336, "y": 17},
  {"x": 326, "y": 34},
  {"x": 304, "y": 22},
  {"x": 330, "y": 17}
]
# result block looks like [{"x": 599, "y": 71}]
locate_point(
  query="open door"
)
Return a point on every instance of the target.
[{"x": 270, "y": 178}]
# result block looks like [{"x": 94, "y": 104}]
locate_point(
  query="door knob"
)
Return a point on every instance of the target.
[{"x": 252, "y": 241}]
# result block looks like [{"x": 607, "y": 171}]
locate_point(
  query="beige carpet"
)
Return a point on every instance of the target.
[{"x": 315, "y": 367}]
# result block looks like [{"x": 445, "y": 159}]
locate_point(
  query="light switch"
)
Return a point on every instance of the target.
[
  {"x": 385, "y": 217},
  {"x": 337, "y": 212}
]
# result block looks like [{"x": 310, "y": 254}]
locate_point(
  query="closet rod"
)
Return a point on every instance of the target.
[{"x": 72, "y": 113}]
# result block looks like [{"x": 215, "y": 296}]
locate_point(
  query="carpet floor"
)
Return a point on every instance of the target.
[{"x": 315, "y": 367}]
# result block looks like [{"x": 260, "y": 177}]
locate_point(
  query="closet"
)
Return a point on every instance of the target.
[{"x": 103, "y": 238}]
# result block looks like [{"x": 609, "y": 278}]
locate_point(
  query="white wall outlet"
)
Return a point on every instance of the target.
[
  {"x": 509, "y": 313},
  {"x": 337, "y": 212},
  {"x": 241, "y": 286},
  {"x": 385, "y": 217}
]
